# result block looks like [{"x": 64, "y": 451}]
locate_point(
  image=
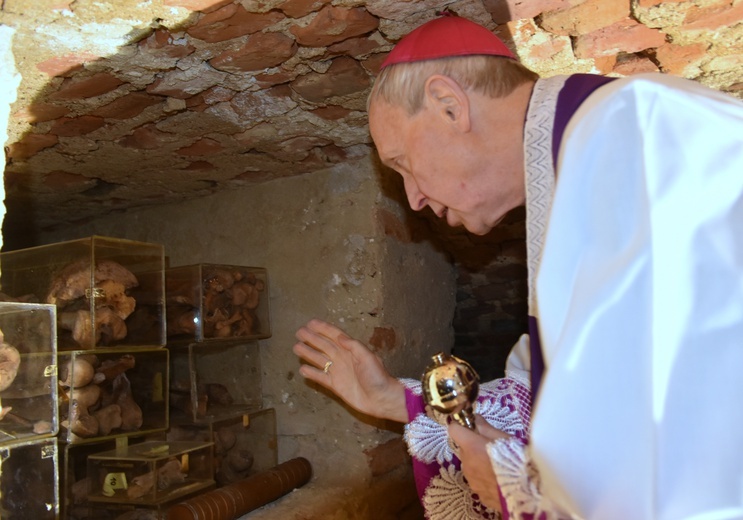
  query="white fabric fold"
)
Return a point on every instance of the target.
[{"x": 640, "y": 297}]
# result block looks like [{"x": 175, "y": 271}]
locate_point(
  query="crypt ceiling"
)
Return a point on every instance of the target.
[{"x": 127, "y": 103}]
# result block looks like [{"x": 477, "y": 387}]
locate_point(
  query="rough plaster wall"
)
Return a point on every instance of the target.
[{"x": 318, "y": 237}]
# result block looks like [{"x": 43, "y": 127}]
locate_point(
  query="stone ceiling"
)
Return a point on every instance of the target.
[{"x": 125, "y": 103}]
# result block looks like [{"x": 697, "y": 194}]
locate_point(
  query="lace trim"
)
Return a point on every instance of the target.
[
  {"x": 413, "y": 385},
  {"x": 540, "y": 172},
  {"x": 519, "y": 481},
  {"x": 449, "y": 497},
  {"x": 427, "y": 440},
  {"x": 504, "y": 403}
]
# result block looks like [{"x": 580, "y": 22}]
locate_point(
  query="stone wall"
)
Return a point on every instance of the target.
[{"x": 335, "y": 247}]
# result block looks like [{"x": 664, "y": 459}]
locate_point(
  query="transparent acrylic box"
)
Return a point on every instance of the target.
[
  {"x": 110, "y": 511},
  {"x": 28, "y": 372},
  {"x": 29, "y": 480},
  {"x": 74, "y": 485},
  {"x": 208, "y": 381},
  {"x": 244, "y": 443},
  {"x": 152, "y": 472},
  {"x": 213, "y": 302},
  {"x": 109, "y": 292},
  {"x": 112, "y": 392}
]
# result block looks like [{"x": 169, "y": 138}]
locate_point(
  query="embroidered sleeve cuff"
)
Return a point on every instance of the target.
[{"x": 519, "y": 482}]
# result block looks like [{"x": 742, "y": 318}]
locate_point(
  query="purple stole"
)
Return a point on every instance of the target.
[{"x": 576, "y": 89}]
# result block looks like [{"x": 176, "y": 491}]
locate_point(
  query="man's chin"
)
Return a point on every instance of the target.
[{"x": 476, "y": 230}]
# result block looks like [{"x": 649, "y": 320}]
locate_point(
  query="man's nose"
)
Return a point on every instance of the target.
[{"x": 415, "y": 198}]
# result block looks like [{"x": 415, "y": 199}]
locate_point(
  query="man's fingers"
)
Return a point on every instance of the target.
[
  {"x": 319, "y": 342},
  {"x": 461, "y": 435},
  {"x": 485, "y": 429},
  {"x": 464, "y": 437},
  {"x": 316, "y": 375},
  {"x": 310, "y": 355}
]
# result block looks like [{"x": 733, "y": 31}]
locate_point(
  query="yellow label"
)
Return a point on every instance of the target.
[{"x": 112, "y": 482}]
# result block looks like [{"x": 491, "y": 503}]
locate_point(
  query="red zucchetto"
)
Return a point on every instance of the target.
[{"x": 446, "y": 37}]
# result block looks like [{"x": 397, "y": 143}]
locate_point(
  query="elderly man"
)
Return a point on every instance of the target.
[{"x": 634, "y": 196}]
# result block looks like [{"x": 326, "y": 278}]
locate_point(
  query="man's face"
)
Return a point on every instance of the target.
[{"x": 440, "y": 167}]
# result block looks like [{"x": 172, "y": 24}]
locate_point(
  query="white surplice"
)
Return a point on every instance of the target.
[{"x": 640, "y": 299}]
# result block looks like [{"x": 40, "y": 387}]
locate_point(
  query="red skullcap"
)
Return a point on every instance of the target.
[{"x": 445, "y": 37}]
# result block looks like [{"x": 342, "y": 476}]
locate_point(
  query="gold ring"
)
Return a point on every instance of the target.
[{"x": 327, "y": 366}]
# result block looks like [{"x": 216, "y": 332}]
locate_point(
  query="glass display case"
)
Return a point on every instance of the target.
[
  {"x": 244, "y": 443},
  {"x": 208, "y": 381},
  {"x": 73, "y": 482},
  {"x": 109, "y": 292},
  {"x": 106, "y": 393},
  {"x": 216, "y": 303},
  {"x": 152, "y": 472},
  {"x": 28, "y": 372},
  {"x": 29, "y": 480}
]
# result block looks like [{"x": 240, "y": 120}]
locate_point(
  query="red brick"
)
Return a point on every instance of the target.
[
  {"x": 76, "y": 126},
  {"x": 387, "y": 456},
  {"x": 353, "y": 47},
  {"x": 196, "y": 103},
  {"x": 61, "y": 65},
  {"x": 383, "y": 339},
  {"x": 87, "y": 87},
  {"x": 30, "y": 145},
  {"x": 344, "y": 76},
  {"x": 39, "y": 112},
  {"x": 625, "y": 36},
  {"x": 145, "y": 137},
  {"x": 204, "y": 146},
  {"x": 262, "y": 51},
  {"x": 629, "y": 65},
  {"x": 333, "y": 154},
  {"x": 586, "y": 17},
  {"x": 161, "y": 42},
  {"x": 605, "y": 64},
  {"x": 253, "y": 106},
  {"x": 231, "y": 21},
  {"x": 127, "y": 106},
  {"x": 298, "y": 148},
  {"x": 270, "y": 80},
  {"x": 217, "y": 95},
  {"x": 374, "y": 62},
  {"x": 503, "y": 11},
  {"x": 521, "y": 31},
  {"x": 546, "y": 50},
  {"x": 300, "y": 8},
  {"x": 676, "y": 59},
  {"x": 335, "y": 24},
  {"x": 200, "y": 166},
  {"x": 182, "y": 84},
  {"x": 722, "y": 14},
  {"x": 65, "y": 181},
  {"x": 205, "y": 6},
  {"x": 331, "y": 112}
]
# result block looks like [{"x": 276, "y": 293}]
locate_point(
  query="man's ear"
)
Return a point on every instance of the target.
[{"x": 449, "y": 100}]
